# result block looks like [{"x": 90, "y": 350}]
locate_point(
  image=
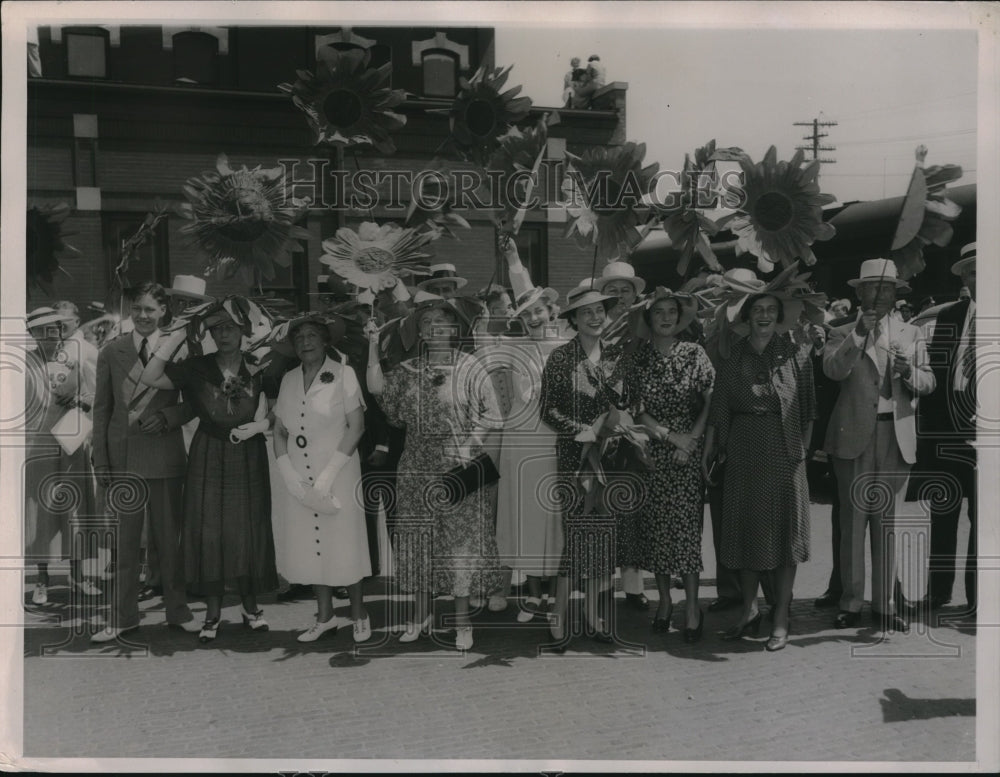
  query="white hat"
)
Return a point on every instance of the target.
[
  {"x": 620, "y": 271},
  {"x": 531, "y": 296},
  {"x": 742, "y": 279},
  {"x": 585, "y": 294},
  {"x": 443, "y": 272},
  {"x": 188, "y": 286},
  {"x": 967, "y": 257},
  {"x": 44, "y": 316},
  {"x": 879, "y": 270}
]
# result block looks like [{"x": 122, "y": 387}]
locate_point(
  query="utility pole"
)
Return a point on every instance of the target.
[{"x": 816, "y": 135}]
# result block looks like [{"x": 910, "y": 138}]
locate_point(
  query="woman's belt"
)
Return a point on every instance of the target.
[{"x": 216, "y": 431}]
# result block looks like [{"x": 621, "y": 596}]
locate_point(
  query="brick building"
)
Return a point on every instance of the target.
[{"x": 121, "y": 116}]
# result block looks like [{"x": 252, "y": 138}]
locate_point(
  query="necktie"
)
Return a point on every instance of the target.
[
  {"x": 144, "y": 352},
  {"x": 969, "y": 357}
]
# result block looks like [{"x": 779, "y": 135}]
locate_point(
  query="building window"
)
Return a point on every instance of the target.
[
  {"x": 291, "y": 283},
  {"x": 150, "y": 262},
  {"x": 87, "y": 52},
  {"x": 440, "y": 73},
  {"x": 532, "y": 247},
  {"x": 196, "y": 58}
]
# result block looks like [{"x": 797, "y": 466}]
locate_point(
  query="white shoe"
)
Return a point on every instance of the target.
[
  {"x": 362, "y": 629},
  {"x": 41, "y": 594},
  {"x": 109, "y": 634},
  {"x": 318, "y": 629},
  {"x": 497, "y": 603},
  {"x": 532, "y": 607},
  {"x": 254, "y": 620},
  {"x": 463, "y": 638},
  {"x": 85, "y": 587},
  {"x": 414, "y": 630}
]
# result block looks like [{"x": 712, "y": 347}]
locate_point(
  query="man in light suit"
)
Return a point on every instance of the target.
[
  {"x": 137, "y": 433},
  {"x": 881, "y": 365}
]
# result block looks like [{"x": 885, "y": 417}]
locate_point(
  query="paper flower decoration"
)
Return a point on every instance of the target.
[
  {"x": 609, "y": 185},
  {"x": 243, "y": 220},
  {"x": 326, "y": 377},
  {"x": 783, "y": 211},
  {"x": 432, "y": 200},
  {"x": 925, "y": 216},
  {"x": 44, "y": 239},
  {"x": 481, "y": 114},
  {"x": 346, "y": 102},
  {"x": 681, "y": 214},
  {"x": 517, "y": 160},
  {"x": 374, "y": 256}
]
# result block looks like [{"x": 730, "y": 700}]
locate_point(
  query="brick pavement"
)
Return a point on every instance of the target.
[{"x": 830, "y": 695}]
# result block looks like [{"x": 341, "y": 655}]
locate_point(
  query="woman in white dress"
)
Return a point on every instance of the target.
[{"x": 319, "y": 419}]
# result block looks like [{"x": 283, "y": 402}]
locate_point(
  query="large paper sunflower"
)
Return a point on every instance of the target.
[
  {"x": 44, "y": 239},
  {"x": 481, "y": 114},
  {"x": 374, "y": 256},
  {"x": 609, "y": 184},
  {"x": 517, "y": 161},
  {"x": 243, "y": 220},
  {"x": 783, "y": 211},
  {"x": 681, "y": 214},
  {"x": 346, "y": 102},
  {"x": 926, "y": 215}
]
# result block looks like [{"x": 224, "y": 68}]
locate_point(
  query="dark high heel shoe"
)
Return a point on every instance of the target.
[
  {"x": 209, "y": 630},
  {"x": 751, "y": 627},
  {"x": 662, "y": 625},
  {"x": 693, "y": 635}
]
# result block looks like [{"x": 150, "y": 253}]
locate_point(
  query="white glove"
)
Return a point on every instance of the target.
[
  {"x": 248, "y": 430},
  {"x": 296, "y": 487},
  {"x": 320, "y": 502},
  {"x": 169, "y": 343},
  {"x": 328, "y": 475}
]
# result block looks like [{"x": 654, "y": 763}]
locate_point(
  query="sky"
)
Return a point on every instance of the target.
[{"x": 888, "y": 91}]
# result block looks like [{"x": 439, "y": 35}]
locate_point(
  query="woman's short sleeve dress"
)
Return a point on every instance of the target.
[
  {"x": 447, "y": 548},
  {"x": 314, "y": 548},
  {"x": 227, "y": 493}
]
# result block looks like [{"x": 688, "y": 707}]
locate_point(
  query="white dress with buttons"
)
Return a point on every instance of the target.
[{"x": 321, "y": 549}]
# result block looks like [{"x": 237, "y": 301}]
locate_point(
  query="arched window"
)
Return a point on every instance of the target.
[
  {"x": 196, "y": 58},
  {"x": 440, "y": 73}
]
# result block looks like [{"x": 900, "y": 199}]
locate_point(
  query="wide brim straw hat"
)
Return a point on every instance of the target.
[
  {"x": 879, "y": 271},
  {"x": 44, "y": 316},
  {"x": 281, "y": 336},
  {"x": 188, "y": 286},
  {"x": 619, "y": 271},
  {"x": 532, "y": 296},
  {"x": 967, "y": 258},
  {"x": 687, "y": 307},
  {"x": 791, "y": 306},
  {"x": 443, "y": 272},
  {"x": 583, "y": 295},
  {"x": 409, "y": 327}
]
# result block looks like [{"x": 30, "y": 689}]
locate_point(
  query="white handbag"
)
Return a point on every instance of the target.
[{"x": 72, "y": 429}]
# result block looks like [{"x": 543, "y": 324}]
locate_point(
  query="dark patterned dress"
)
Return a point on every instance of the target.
[
  {"x": 575, "y": 392},
  {"x": 442, "y": 547},
  {"x": 670, "y": 388},
  {"x": 227, "y": 492},
  {"x": 760, "y": 408}
]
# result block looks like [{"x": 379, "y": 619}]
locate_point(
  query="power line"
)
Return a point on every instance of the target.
[
  {"x": 908, "y": 105},
  {"x": 910, "y": 137}
]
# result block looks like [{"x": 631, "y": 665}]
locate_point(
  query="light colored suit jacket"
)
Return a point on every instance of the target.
[
  {"x": 852, "y": 422},
  {"x": 118, "y": 441}
]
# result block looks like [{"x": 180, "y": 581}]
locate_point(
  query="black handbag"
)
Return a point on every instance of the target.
[{"x": 465, "y": 479}]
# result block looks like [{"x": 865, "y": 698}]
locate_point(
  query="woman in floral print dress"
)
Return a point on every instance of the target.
[
  {"x": 669, "y": 383},
  {"x": 446, "y": 401}
]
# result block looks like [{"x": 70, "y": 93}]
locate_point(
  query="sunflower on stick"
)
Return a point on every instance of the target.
[
  {"x": 243, "y": 220},
  {"x": 44, "y": 240},
  {"x": 373, "y": 257}
]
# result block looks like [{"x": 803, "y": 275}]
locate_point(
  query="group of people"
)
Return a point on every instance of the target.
[
  {"x": 580, "y": 83},
  {"x": 498, "y": 434}
]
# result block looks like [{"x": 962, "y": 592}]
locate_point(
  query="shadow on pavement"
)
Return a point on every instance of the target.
[{"x": 897, "y": 706}]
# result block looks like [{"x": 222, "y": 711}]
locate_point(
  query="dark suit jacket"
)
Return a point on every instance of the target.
[{"x": 118, "y": 441}]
